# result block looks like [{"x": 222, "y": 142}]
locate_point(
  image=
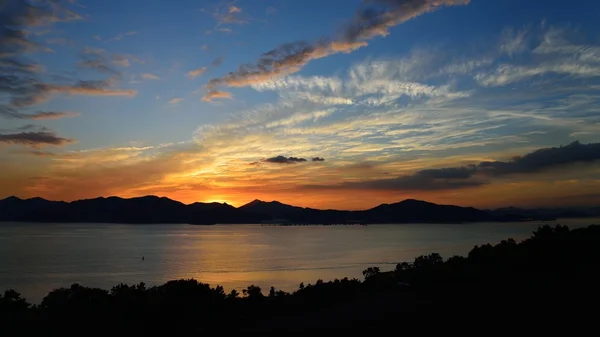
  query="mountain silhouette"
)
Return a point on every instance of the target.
[
  {"x": 273, "y": 209},
  {"x": 153, "y": 210},
  {"x": 147, "y": 210}
]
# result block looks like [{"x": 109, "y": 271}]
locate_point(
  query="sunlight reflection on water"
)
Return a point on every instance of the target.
[{"x": 35, "y": 258}]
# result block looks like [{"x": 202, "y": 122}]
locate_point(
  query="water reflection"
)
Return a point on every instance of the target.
[{"x": 36, "y": 258}]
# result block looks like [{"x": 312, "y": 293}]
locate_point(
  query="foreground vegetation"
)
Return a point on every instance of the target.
[{"x": 552, "y": 274}]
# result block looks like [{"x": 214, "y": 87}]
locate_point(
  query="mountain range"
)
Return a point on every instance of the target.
[{"x": 152, "y": 209}]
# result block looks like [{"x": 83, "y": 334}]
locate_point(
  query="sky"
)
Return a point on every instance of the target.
[{"x": 480, "y": 103}]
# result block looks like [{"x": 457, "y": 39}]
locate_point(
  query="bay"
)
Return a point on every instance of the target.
[{"x": 36, "y": 258}]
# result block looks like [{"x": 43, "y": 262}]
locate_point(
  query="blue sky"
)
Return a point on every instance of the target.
[{"x": 196, "y": 100}]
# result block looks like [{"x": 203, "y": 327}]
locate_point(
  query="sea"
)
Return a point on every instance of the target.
[{"x": 36, "y": 258}]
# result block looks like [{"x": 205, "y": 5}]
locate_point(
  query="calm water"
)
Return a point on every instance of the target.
[{"x": 35, "y": 258}]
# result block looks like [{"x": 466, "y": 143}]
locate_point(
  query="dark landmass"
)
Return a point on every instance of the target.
[
  {"x": 153, "y": 210},
  {"x": 545, "y": 283},
  {"x": 143, "y": 210}
]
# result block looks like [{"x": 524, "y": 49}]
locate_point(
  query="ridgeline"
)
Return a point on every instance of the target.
[{"x": 153, "y": 210}]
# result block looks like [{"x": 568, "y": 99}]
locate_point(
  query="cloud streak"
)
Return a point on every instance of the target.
[
  {"x": 35, "y": 139},
  {"x": 216, "y": 94},
  {"x": 149, "y": 76},
  {"x": 196, "y": 72},
  {"x": 10, "y": 113},
  {"x": 375, "y": 19}
]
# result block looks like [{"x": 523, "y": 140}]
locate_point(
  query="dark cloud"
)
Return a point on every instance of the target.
[
  {"x": 217, "y": 62},
  {"x": 373, "y": 19},
  {"x": 477, "y": 174},
  {"x": 35, "y": 139},
  {"x": 318, "y": 159},
  {"x": 11, "y": 113},
  {"x": 448, "y": 173},
  {"x": 415, "y": 182},
  {"x": 284, "y": 160},
  {"x": 543, "y": 159}
]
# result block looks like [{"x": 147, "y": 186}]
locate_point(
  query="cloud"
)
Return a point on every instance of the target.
[
  {"x": 57, "y": 40},
  {"x": 284, "y": 160},
  {"x": 514, "y": 42},
  {"x": 37, "y": 153},
  {"x": 548, "y": 54},
  {"x": 35, "y": 139},
  {"x": 230, "y": 15},
  {"x": 543, "y": 159},
  {"x": 406, "y": 183},
  {"x": 11, "y": 113},
  {"x": 121, "y": 61},
  {"x": 148, "y": 76},
  {"x": 196, "y": 72},
  {"x": 474, "y": 175},
  {"x": 204, "y": 47},
  {"x": 234, "y": 9},
  {"x": 217, "y": 62},
  {"x": 271, "y": 10},
  {"x": 318, "y": 159},
  {"x": 216, "y": 94},
  {"x": 20, "y": 83},
  {"x": 175, "y": 100},
  {"x": 93, "y": 58},
  {"x": 119, "y": 36},
  {"x": 369, "y": 22}
]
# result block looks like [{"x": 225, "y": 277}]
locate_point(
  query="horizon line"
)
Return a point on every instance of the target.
[{"x": 244, "y": 204}]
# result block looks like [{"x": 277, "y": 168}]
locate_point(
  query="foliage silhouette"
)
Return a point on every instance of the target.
[{"x": 552, "y": 271}]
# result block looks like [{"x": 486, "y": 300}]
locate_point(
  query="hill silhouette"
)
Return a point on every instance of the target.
[
  {"x": 153, "y": 210},
  {"x": 147, "y": 210}
]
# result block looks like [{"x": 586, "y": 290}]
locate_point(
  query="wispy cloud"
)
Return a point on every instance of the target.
[
  {"x": 175, "y": 100},
  {"x": 11, "y": 113},
  {"x": 95, "y": 59},
  {"x": 217, "y": 62},
  {"x": 117, "y": 37},
  {"x": 20, "y": 79},
  {"x": 232, "y": 15},
  {"x": 368, "y": 23},
  {"x": 120, "y": 60},
  {"x": 558, "y": 56},
  {"x": 271, "y": 10},
  {"x": 196, "y": 72},
  {"x": 216, "y": 94},
  {"x": 149, "y": 76},
  {"x": 58, "y": 40},
  {"x": 38, "y": 153}
]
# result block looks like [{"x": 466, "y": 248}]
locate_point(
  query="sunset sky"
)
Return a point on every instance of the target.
[{"x": 328, "y": 103}]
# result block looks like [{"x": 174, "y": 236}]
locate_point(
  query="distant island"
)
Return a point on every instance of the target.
[{"x": 154, "y": 210}]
